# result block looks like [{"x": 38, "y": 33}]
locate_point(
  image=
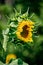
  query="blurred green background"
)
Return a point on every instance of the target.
[{"x": 36, "y": 7}]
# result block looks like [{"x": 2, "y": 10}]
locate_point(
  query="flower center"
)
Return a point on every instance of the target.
[{"x": 24, "y": 33}]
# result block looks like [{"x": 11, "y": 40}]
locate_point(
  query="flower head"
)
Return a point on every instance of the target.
[
  {"x": 24, "y": 30},
  {"x": 9, "y": 57}
]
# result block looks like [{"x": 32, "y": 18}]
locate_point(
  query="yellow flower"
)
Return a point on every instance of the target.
[
  {"x": 9, "y": 57},
  {"x": 24, "y": 30}
]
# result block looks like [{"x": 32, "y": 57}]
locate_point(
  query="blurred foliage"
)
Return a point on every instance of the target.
[{"x": 34, "y": 56}]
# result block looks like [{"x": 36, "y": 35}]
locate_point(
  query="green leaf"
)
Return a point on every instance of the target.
[
  {"x": 1, "y": 63},
  {"x": 20, "y": 62},
  {"x": 5, "y": 32},
  {"x": 15, "y": 62}
]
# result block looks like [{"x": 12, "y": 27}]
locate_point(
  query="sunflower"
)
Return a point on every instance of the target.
[
  {"x": 24, "y": 30},
  {"x": 10, "y": 57}
]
